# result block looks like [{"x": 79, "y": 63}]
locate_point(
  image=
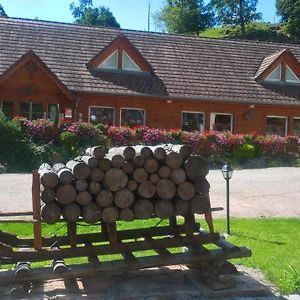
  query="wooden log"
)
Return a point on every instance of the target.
[
  {"x": 110, "y": 214},
  {"x": 48, "y": 177},
  {"x": 91, "y": 213},
  {"x": 124, "y": 198},
  {"x": 71, "y": 212},
  {"x": 146, "y": 189},
  {"x": 186, "y": 191},
  {"x": 104, "y": 164},
  {"x": 143, "y": 209},
  {"x": 64, "y": 174},
  {"x": 127, "y": 214},
  {"x": 164, "y": 172},
  {"x": 132, "y": 185},
  {"x": 48, "y": 195},
  {"x": 196, "y": 167},
  {"x": 84, "y": 198},
  {"x": 164, "y": 209},
  {"x": 96, "y": 174},
  {"x": 94, "y": 187},
  {"x": 115, "y": 179},
  {"x": 127, "y": 152},
  {"x": 117, "y": 161},
  {"x": 165, "y": 189},
  {"x": 159, "y": 153},
  {"x": 184, "y": 150},
  {"x": 140, "y": 175},
  {"x": 178, "y": 176},
  {"x": 105, "y": 198},
  {"x": 146, "y": 152},
  {"x": 79, "y": 169},
  {"x": 200, "y": 204},
  {"x": 128, "y": 167},
  {"x": 182, "y": 207},
  {"x": 51, "y": 213},
  {"x": 81, "y": 185},
  {"x": 66, "y": 194},
  {"x": 139, "y": 161},
  {"x": 202, "y": 186},
  {"x": 174, "y": 160},
  {"x": 91, "y": 161},
  {"x": 154, "y": 178},
  {"x": 151, "y": 165},
  {"x": 97, "y": 151}
]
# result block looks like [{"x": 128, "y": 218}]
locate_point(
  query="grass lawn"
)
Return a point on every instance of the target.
[{"x": 275, "y": 245}]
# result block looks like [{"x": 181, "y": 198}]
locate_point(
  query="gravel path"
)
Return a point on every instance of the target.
[{"x": 272, "y": 192}]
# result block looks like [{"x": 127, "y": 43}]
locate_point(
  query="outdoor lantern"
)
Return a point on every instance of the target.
[{"x": 227, "y": 174}]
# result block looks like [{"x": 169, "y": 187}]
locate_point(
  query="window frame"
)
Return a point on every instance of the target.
[
  {"x": 291, "y": 81},
  {"x": 279, "y": 117},
  {"x": 223, "y": 114},
  {"x": 30, "y": 109},
  {"x": 295, "y": 118},
  {"x": 129, "y": 69},
  {"x": 275, "y": 80},
  {"x": 7, "y": 101},
  {"x": 133, "y": 108},
  {"x": 193, "y": 112},
  {"x": 97, "y": 106},
  {"x": 110, "y": 68}
]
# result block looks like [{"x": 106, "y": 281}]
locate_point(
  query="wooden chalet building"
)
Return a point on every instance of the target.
[{"x": 124, "y": 77}]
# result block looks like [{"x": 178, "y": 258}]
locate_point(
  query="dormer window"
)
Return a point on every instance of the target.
[
  {"x": 118, "y": 56},
  {"x": 275, "y": 75},
  {"x": 111, "y": 62},
  {"x": 128, "y": 64},
  {"x": 290, "y": 76}
]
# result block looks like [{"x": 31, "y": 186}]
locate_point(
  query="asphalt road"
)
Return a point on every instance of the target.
[{"x": 273, "y": 192}]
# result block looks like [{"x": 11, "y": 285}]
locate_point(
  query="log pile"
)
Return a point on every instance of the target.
[{"x": 125, "y": 183}]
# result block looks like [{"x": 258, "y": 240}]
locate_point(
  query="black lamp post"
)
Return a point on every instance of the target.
[{"x": 227, "y": 174}]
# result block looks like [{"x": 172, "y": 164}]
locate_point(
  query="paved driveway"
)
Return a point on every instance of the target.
[{"x": 273, "y": 192}]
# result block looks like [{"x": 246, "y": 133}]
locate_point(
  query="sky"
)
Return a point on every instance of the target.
[{"x": 131, "y": 14}]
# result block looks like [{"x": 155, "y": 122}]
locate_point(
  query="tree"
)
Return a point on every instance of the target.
[
  {"x": 236, "y": 12},
  {"x": 86, "y": 14},
  {"x": 184, "y": 16},
  {"x": 289, "y": 10},
  {"x": 2, "y": 12}
]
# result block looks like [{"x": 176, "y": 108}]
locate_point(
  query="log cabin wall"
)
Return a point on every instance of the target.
[
  {"x": 167, "y": 113},
  {"x": 32, "y": 86}
]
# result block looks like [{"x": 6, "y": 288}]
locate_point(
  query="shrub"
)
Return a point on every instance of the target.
[
  {"x": 244, "y": 151},
  {"x": 69, "y": 141},
  {"x": 41, "y": 130}
]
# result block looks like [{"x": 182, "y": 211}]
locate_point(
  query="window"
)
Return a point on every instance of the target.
[
  {"x": 53, "y": 112},
  {"x": 290, "y": 75},
  {"x": 221, "y": 122},
  {"x": 8, "y": 109},
  {"x": 276, "y": 125},
  {"x": 128, "y": 64},
  {"x": 31, "y": 110},
  {"x": 132, "y": 117},
  {"x": 105, "y": 115},
  {"x": 192, "y": 121},
  {"x": 111, "y": 62},
  {"x": 275, "y": 75},
  {"x": 296, "y": 126}
]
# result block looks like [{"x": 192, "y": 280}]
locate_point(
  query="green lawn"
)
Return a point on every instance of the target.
[{"x": 275, "y": 244}]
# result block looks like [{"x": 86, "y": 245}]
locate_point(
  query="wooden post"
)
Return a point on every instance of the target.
[
  {"x": 36, "y": 207},
  {"x": 72, "y": 234},
  {"x": 209, "y": 221},
  {"x": 173, "y": 225},
  {"x": 113, "y": 234},
  {"x": 189, "y": 224}
]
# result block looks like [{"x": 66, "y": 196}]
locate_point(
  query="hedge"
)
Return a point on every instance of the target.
[{"x": 25, "y": 144}]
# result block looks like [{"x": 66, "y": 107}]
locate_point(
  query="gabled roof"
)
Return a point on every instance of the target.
[
  {"x": 121, "y": 42},
  {"x": 184, "y": 67},
  {"x": 30, "y": 56},
  {"x": 272, "y": 61}
]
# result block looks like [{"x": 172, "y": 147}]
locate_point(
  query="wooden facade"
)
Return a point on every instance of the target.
[{"x": 32, "y": 87}]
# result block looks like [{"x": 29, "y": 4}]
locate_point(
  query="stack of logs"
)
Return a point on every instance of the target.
[{"x": 125, "y": 183}]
